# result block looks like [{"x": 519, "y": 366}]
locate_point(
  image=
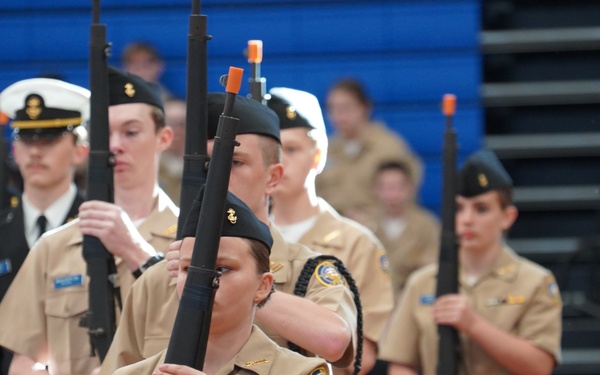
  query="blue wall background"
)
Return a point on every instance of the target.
[{"x": 408, "y": 53}]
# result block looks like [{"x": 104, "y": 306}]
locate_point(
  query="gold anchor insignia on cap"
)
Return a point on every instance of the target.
[
  {"x": 129, "y": 90},
  {"x": 290, "y": 112},
  {"x": 231, "y": 216},
  {"x": 33, "y": 108},
  {"x": 483, "y": 181}
]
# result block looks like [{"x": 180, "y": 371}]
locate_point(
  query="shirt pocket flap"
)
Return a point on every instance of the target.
[{"x": 67, "y": 304}]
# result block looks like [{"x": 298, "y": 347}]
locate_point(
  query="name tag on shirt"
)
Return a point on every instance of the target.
[
  {"x": 427, "y": 299},
  {"x": 68, "y": 281},
  {"x": 5, "y": 267}
]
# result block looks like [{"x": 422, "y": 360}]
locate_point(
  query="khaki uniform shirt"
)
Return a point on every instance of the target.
[
  {"x": 365, "y": 258},
  {"x": 258, "y": 356},
  {"x": 151, "y": 307},
  {"x": 42, "y": 308},
  {"x": 417, "y": 246},
  {"x": 347, "y": 182},
  {"x": 517, "y": 296}
]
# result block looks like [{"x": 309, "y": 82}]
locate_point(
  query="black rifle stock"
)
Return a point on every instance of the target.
[
  {"x": 258, "y": 84},
  {"x": 196, "y": 118},
  {"x": 100, "y": 318},
  {"x": 189, "y": 337},
  {"x": 447, "y": 279},
  {"x": 4, "y": 170}
]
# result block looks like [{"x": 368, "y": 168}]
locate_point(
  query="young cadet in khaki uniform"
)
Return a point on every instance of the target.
[
  {"x": 42, "y": 309},
  {"x": 321, "y": 323},
  {"x": 409, "y": 233},
  {"x": 234, "y": 344},
  {"x": 48, "y": 144},
  {"x": 357, "y": 148},
  {"x": 508, "y": 312},
  {"x": 303, "y": 217}
]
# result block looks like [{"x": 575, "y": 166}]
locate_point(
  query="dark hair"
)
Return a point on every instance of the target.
[
  {"x": 354, "y": 88},
  {"x": 505, "y": 196},
  {"x": 395, "y": 165},
  {"x": 158, "y": 115},
  {"x": 271, "y": 150},
  {"x": 137, "y": 47},
  {"x": 260, "y": 252}
]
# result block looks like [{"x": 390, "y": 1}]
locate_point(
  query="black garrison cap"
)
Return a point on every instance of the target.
[
  {"x": 44, "y": 108},
  {"x": 296, "y": 109},
  {"x": 481, "y": 173},
  {"x": 238, "y": 220},
  {"x": 126, "y": 88},
  {"x": 254, "y": 117}
]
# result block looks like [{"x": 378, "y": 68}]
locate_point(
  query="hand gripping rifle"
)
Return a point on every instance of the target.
[
  {"x": 447, "y": 279},
  {"x": 258, "y": 84},
  {"x": 195, "y": 156},
  {"x": 103, "y": 288},
  {"x": 189, "y": 337}
]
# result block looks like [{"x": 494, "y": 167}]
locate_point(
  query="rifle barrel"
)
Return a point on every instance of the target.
[
  {"x": 189, "y": 337},
  {"x": 195, "y": 154},
  {"x": 447, "y": 280}
]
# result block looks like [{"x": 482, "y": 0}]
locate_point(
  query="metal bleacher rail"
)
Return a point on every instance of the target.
[{"x": 581, "y": 346}]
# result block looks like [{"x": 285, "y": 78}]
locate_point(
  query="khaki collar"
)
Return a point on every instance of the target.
[{"x": 505, "y": 268}]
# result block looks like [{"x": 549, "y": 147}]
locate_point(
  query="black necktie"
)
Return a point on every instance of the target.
[{"x": 41, "y": 222}]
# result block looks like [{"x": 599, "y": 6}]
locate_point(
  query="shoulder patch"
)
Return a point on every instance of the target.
[
  {"x": 383, "y": 264},
  {"x": 320, "y": 371},
  {"x": 328, "y": 274},
  {"x": 553, "y": 291}
]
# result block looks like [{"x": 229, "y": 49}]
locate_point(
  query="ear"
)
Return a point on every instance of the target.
[
  {"x": 317, "y": 158},
  {"x": 161, "y": 67},
  {"x": 81, "y": 153},
  {"x": 264, "y": 288},
  {"x": 510, "y": 215},
  {"x": 368, "y": 110},
  {"x": 275, "y": 174},
  {"x": 165, "y": 137}
]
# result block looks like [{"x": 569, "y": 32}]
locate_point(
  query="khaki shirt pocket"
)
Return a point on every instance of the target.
[
  {"x": 154, "y": 345},
  {"x": 67, "y": 341}
]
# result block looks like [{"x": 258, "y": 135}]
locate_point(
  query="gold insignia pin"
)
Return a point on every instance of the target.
[
  {"x": 34, "y": 109},
  {"x": 276, "y": 266},
  {"x": 483, "y": 181},
  {"x": 257, "y": 362},
  {"x": 231, "y": 216},
  {"x": 331, "y": 236},
  {"x": 515, "y": 300},
  {"x": 170, "y": 230},
  {"x": 290, "y": 112},
  {"x": 14, "y": 201},
  {"x": 129, "y": 90}
]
